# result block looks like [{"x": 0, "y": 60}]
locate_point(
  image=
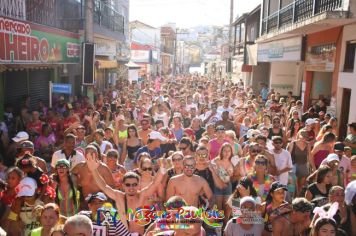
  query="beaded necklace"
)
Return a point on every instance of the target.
[{"x": 266, "y": 187}]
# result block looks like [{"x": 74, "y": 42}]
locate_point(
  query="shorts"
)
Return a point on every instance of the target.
[
  {"x": 223, "y": 192},
  {"x": 301, "y": 170}
]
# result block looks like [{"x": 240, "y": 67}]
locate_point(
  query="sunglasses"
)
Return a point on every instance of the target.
[
  {"x": 276, "y": 121},
  {"x": 201, "y": 155},
  {"x": 146, "y": 168},
  {"x": 261, "y": 163},
  {"x": 177, "y": 159},
  {"x": 338, "y": 194},
  {"x": 192, "y": 167},
  {"x": 255, "y": 150},
  {"x": 62, "y": 167},
  {"x": 131, "y": 185}
]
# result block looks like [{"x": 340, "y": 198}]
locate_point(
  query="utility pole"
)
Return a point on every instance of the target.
[
  {"x": 89, "y": 35},
  {"x": 89, "y": 38},
  {"x": 231, "y": 47}
]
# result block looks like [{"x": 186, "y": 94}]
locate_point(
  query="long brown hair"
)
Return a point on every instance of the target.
[{"x": 222, "y": 149}]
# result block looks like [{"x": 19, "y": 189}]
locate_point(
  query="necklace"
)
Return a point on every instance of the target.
[{"x": 266, "y": 186}]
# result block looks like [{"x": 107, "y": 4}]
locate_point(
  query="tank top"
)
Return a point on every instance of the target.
[
  {"x": 320, "y": 156},
  {"x": 123, "y": 134},
  {"x": 271, "y": 133},
  {"x": 131, "y": 150},
  {"x": 36, "y": 232},
  {"x": 215, "y": 148},
  {"x": 299, "y": 156},
  {"x": 27, "y": 217}
]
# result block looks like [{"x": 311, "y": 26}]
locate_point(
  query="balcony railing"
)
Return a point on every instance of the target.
[
  {"x": 63, "y": 14},
  {"x": 13, "y": 9},
  {"x": 298, "y": 11},
  {"x": 106, "y": 16}
]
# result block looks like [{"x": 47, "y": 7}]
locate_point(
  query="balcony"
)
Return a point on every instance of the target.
[
  {"x": 106, "y": 16},
  {"x": 13, "y": 9},
  {"x": 63, "y": 14},
  {"x": 305, "y": 16}
]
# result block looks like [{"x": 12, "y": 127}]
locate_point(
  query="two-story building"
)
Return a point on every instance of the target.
[
  {"x": 168, "y": 49},
  {"x": 302, "y": 41},
  {"x": 246, "y": 32}
]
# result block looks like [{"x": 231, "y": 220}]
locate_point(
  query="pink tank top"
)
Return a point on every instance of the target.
[{"x": 215, "y": 148}]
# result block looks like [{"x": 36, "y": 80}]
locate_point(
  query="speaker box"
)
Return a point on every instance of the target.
[{"x": 88, "y": 64}]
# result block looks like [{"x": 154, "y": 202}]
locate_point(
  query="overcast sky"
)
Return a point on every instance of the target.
[{"x": 187, "y": 13}]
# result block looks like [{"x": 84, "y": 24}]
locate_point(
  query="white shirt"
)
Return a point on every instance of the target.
[
  {"x": 283, "y": 160},
  {"x": 162, "y": 116},
  {"x": 212, "y": 119},
  {"x": 103, "y": 145},
  {"x": 74, "y": 159},
  {"x": 221, "y": 109}
]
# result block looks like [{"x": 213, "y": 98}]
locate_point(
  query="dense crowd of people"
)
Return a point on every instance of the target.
[{"x": 188, "y": 155}]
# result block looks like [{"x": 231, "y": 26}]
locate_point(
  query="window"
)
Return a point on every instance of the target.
[{"x": 350, "y": 56}]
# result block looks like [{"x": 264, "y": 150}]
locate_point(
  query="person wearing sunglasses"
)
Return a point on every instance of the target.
[
  {"x": 132, "y": 197},
  {"x": 177, "y": 162},
  {"x": 67, "y": 194},
  {"x": 188, "y": 185},
  {"x": 277, "y": 130},
  {"x": 117, "y": 170},
  {"x": 283, "y": 160},
  {"x": 245, "y": 164}
]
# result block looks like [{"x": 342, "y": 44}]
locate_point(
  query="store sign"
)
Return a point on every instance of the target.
[
  {"x": 321, "y": 58},
  {"x": 62, "y": 88},
  {"x": 140, "y": 56},
  {"x": 105, "y": 47},
  {"x": 280, "y": 50},
  {"x": 24, "y": 42}
]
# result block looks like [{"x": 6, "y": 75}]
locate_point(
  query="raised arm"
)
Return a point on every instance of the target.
[{"x": 93, "y": 165}]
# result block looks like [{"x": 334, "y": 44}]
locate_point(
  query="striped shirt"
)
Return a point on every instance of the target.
[{"x": 113, "y": 229}]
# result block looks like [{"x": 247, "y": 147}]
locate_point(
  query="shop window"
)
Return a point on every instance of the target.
[{"x": 350, "y": 56}]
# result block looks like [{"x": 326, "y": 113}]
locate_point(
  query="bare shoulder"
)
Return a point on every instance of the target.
[{"x": 176, "y": 178}]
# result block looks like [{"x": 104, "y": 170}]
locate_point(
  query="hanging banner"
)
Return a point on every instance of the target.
[
  {"x": 23, "y": 42},
  {"x": 321, "y": 58}
]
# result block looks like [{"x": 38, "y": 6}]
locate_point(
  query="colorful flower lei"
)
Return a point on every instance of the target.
[{"x": 266, "y": 187}]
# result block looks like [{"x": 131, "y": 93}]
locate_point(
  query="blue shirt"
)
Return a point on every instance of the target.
[
  {"x": 155, "y": 154},
  {"x": 264, "y": 93}
]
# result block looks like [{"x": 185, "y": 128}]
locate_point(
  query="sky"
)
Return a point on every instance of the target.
[{"x": 188, "y": 13}]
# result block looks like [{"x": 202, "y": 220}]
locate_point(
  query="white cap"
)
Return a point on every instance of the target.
[
  {"x": 247, "y": 199},
  {"x": 310, "y": 121},
  {"x": 26, "y": 188},
  {"x": 253, "y": 132},
  {"x": 350, "y": 192},
  {"x": 157, "y": 135},
  {"x": 20, "y": 136},
  {"x": 331, "y": 157}
]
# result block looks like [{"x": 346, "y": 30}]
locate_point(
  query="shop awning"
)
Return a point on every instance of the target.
[
  {"x": 17, "y": 67},
  {"x": 132, "y": 65},
  {"x": 106, "y": 64}
]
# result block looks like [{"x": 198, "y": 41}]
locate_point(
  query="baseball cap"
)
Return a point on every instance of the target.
[
  {"x": 331, "y": 157},
  {"x": 26, "y": 144},
  {"x": 157, "y": 135},
  {"x": 98, "y": 195},
  {"x": 310, "y": 121},
  {"x": 26, "y": 188},
  {"x": 350, "y": 192},
  {"x": 339, "y": 146},
  {"x": 220, "y": 128},
  {"x": 20, "y": 136},
  {"x": 277, "y": 185},
  {"x": 62, "y": 162},
  {"x": 80, "y": 127},
  {"x": 253, "y": 133},
  {"x": 247, "y": 199}
]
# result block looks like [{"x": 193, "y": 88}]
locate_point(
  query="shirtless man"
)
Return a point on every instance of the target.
[
  {"x": 85, "y": 178},
  {"x": 188, "y": 185},
  {"x": 145, "y": 131},
  {"x": 296, "y": 222},
  {"x": 131, "y": 198}
]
